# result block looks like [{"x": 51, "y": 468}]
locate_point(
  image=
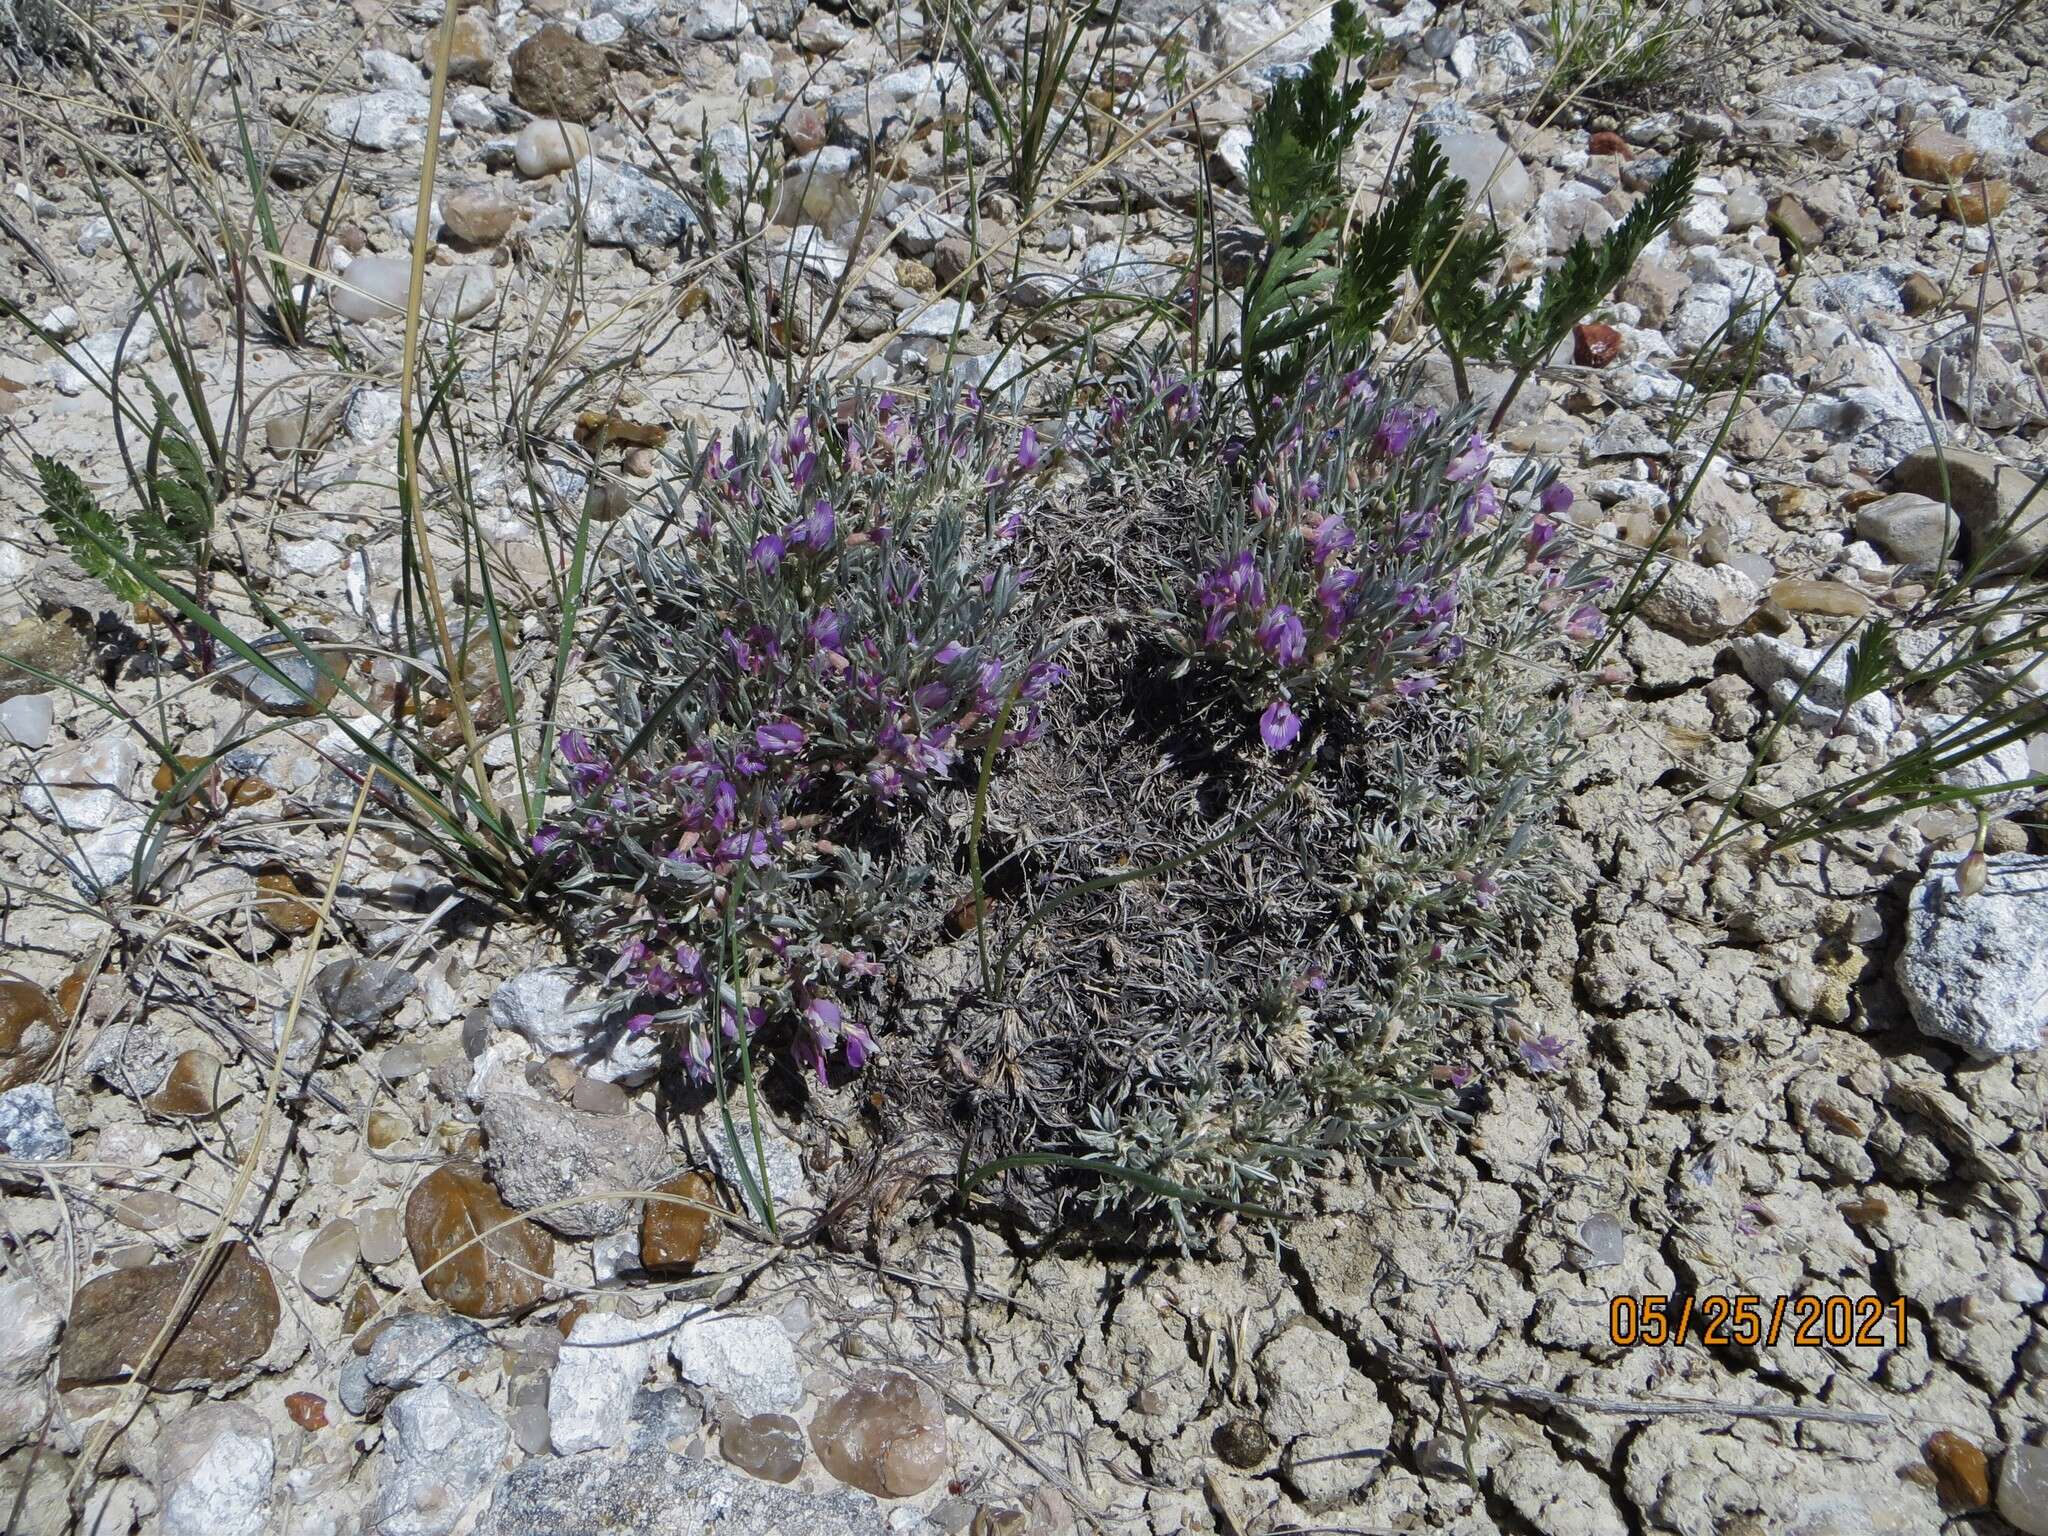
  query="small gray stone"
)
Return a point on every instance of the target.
[
  {"x": 359, "y": 991},
  {"x": 655, "y": 1492},
  {"x": 1974, "y": 969},
  {"x": 1988, "y": 496},
  {"x": 2023, "y": 1489},
  {"x": 1913, "y": 529},
  {"x": 1700, "y": 602},
  {"x": 541, "y": 1152},
  {"x": 30, "y": 1127},
  {"x": 623, "y": 205}
]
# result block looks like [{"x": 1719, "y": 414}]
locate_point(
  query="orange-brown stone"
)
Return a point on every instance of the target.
[
  {"x": 673, "y": 1233},
  {"x": 466, "y": 1259}
]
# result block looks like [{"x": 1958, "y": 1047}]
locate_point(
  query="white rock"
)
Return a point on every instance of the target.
[
  {"x": 373, "y": 288},
  {"x": 1974, "y": 969},
  {"x": 1703, "y": 221},
  {"x": 84, "y": 787},
  {"x": 1494, "y": 175},
  {"x": 712, "y": 21},
  {"x": 1700, "y": 602},
  {"x": 392, "y": 72},
  {"x": 1234, "y": 149},
  {"x": 2023, "y": 1488},
  {"x": 726, "y": 147},
  {"x": 560, "y": 1011},
  {"x": 441, "y": 1450},
  {"x": 372, "y": 415},
  {"x": 1108, "y": 265},
  {"x": 381, "y": 120},
  {"x": 2003, "y": 765},
  {"x": 61, "y": 321},
  {"x": 602, "y": 31},
  {"x": 26, "y": 718},
  {"x": 213, "y": 1471},
  {"x": 546, "y": 145},
  {"x": 1779, "y": 667},
  {"x": 746, "y": 1359},
  {"x": 472, "y": 110},
  {"x": 1998, "y": 133},
  {"x": 940, "y": 318},
  {"x": 623, "y": 205},
  {"x": 26, "y": 1345},
  {"x": 458, "y": 293},
  {"x": 601, "y": 1366},
  {"x": 1242, "y": 28},
  {"x": 95, "y": 235},
  {"x": 102, "y": 860}
]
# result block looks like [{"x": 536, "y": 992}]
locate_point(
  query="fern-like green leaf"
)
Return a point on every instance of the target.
[
  {"x": 85, "y": 528},
  {"x": 1588, "y": 273},
  {"x": 1300, "y": 135}
]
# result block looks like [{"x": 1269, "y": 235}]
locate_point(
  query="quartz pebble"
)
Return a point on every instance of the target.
[
  {"x": 886, "y": 1435},
  {"x": 2023, "y": 1489},
  {"x": 769, "y": 1446},
  {"x": 372, "y": 288},
  {"x": 330, "y": 1259},
  {"x": 479, "y": 215},
  {"x": 547, "y": 145},
  {"x": 382, "y": 1235}
]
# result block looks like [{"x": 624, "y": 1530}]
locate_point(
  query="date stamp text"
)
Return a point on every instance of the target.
[{"x": 1758, "y": 1322}]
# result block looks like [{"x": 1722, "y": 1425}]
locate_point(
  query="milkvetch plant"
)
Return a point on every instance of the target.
[{"x": 821, "y": 634}]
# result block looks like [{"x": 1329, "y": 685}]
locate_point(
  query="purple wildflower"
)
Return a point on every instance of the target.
[
  {"x": 1586, "y": 623},
  {"x": 1029, "y": 454},
  {"x": 1543, "y": 1055},
  {"x": 779, "y": 737},
  {"x": 1279, "y": 726},
  {"x": 1557, "y": 498},
  {"x": 1262, "y": 501},
  {"x": 767, "y": 552},
  {"x": 1281, "y": 637},
  {"x": 1470, "y": 462}
]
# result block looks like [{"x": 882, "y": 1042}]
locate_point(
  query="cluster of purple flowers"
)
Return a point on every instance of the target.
[
  {"x": 1332, "y": 564},
  {"x": 832, "y": 640}
]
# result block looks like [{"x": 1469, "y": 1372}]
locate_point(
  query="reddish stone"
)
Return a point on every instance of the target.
[
  {"x": 308, "y": 1409},
  {"x": 1595, "y": 345}
]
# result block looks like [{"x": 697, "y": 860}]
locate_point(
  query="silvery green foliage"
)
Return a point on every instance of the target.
[
  {"x": 820, "y": 636},
  {"x": 1369, "y": 634}
]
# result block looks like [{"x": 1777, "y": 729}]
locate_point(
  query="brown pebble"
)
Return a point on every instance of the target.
[
  {"x": 1868, "y": 1212},
  {"x": 1978, "y": 203},
  {"x": 1965, "y": 1478},
  {"x": 1607, "y": 143},
  {"x": 279, "y": 908},
  {"x": 1935, "y": 154},
  {"x": 674, "y": 1235}
]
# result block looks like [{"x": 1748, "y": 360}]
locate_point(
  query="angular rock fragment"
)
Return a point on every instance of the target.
[{"x": 115, "y": 1317}]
